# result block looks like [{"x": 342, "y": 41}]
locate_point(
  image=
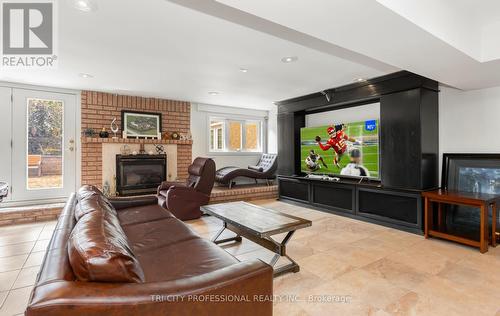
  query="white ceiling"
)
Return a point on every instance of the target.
[
  {"x": 158, "y": 48},
  {"x": 184, "y": 49},
  {"x": 470, "y": 26},
  {"x": 451, "y": 41}
]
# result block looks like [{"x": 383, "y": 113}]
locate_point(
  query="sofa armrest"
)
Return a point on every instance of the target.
[
  {"x": 245, "y": 288},
  {"x": 121, "y": 203}
]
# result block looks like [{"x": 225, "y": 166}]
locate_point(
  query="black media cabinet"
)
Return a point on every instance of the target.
[
  {"x": 401, "y": 209},
  {"x": 409, "y": 151}
]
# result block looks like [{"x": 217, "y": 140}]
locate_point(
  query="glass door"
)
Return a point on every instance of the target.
[
  {"x": 43, "y": 145},
  {"x": 6, "y": 137}
]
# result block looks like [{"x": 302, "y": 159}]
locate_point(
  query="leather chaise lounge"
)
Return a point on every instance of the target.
[
  {"x": 132, "y": 257},
  {"x": 265, "y": 169}
]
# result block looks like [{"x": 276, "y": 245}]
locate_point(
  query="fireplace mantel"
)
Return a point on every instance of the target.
[{"x": 135, "y": 141}]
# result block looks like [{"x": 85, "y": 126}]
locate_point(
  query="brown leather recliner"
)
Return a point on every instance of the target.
[{"x": 184, "y": 199}]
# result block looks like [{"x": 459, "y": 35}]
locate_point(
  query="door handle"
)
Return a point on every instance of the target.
[{"x": 71, "y": 146}]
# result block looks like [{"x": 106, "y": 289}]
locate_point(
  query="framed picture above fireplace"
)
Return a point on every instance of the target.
[{"x": 141, "y": 124}]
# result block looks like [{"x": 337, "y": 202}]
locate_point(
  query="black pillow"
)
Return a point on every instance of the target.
[{"x": 256, "y": 168}]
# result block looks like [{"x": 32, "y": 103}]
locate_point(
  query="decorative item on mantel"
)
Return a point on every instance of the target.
[
  {"x": 125, "y": 150},
  {"x": 160, "y": 150},
  {"x": 103, "y": 133},
  {"x": 185, "y": 136},
  {"x": 88, "y": 132},
  {"x": 166, "y": 136},
  {"x": 175, "y": 136},
  {"x": 142, "y": 151},
  {"x": 114, "y": 128},
  {"x": 106, "y": 189}
]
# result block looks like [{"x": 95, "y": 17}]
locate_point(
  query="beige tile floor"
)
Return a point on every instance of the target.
[{"x": 373, "y": 269}]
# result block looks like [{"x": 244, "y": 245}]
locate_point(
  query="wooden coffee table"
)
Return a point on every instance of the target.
[{"x": 258, "y": 224}]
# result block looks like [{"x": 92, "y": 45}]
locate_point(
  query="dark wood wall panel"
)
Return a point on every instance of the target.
[
  {"x": 429, "y": 112},
  {"x": 286, "y": 149},
  {"x": 400, "y": 139}
]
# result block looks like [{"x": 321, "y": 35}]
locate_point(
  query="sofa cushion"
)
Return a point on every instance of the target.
[
  {"x": 87, "y": 191},
  {"x": 184, "y": 259},
  {"x": 90, "y": 199},
  {"x": 99, "y": 251},
  {"x": 142, "y": 214},
  {"x": 156, "y": 234}
]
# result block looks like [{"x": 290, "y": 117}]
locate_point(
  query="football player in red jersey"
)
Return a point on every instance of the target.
[{"x": 337, "y": 142}]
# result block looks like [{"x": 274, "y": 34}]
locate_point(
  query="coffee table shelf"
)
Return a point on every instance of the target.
[{"x": 259, "y": 225}]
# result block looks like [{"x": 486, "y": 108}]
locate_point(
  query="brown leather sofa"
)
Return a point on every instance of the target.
[
  {"x": 265, "y": 169},
  {"x": 184, "y": 199},
  {"x": 132, "y": 257}
]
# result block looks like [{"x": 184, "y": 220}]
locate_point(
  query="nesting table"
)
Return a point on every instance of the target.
[{"x": 259, "y": 225}]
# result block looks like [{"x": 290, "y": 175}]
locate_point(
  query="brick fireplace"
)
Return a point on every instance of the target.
[{"x": 99, "y": 109}]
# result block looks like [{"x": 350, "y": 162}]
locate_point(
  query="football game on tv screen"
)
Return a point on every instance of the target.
[{"x": 341, "y": 149}]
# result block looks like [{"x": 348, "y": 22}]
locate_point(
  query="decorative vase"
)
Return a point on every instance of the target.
[
  {"x": 106, "y": 189},
  {"x": 114, "y": 128},
  {"x": 103, "y": 133}
]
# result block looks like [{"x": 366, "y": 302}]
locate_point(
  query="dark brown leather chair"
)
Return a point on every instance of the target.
[{"x": 184, "y": 199}]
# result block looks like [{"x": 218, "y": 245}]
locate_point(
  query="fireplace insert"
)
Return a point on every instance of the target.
[{"x": 139, "y": 174}]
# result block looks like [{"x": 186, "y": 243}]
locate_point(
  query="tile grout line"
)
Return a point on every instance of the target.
[{"x": 17, "y": 277}]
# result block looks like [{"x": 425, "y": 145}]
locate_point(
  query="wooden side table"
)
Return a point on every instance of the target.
[{"x": 480, "y": 200}]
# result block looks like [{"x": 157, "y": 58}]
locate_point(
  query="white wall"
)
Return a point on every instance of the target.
[
  {"x": 199, "y": 129},
  {"x": 272, "y": 131},
  {"x": 469, "y": 121},
  {"x": 354, "y": 114}
]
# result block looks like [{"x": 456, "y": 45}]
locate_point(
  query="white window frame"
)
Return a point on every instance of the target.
[
  {"x": 226, "y": 119},
  {"x": 216, "y": 136}
]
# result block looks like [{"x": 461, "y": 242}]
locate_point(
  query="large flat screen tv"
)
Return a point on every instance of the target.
[{"x": 341, "y": 149}]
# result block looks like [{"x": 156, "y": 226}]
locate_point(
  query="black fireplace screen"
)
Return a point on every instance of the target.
[{"x": 139, "y": 174}]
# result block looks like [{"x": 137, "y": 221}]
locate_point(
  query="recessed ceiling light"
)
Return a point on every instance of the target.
[
  {"x": 84, "y": 75},
  {"x": 85, "y": 5},
  {"x": 213, "y": 93},
  {"x": 289, "y": 59},
  {"x": 243, "y": 70},
  {"x": 360, "y": 80}
]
